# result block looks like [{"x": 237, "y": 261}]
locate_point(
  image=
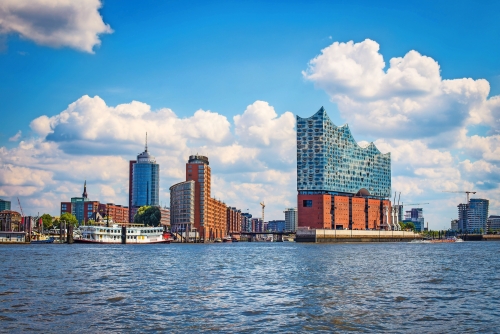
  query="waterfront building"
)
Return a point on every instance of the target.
[
  {"x": 165, "y": 216},
  {"x": 182, "y": 206},
  {"x": 493, "y": 224},
  {"x": 462, "y": 217},
  {"x": 340, "y": 185},
  {"x": 10, "y": 221},
  {"x": 4, "y": 205},
  {"x": 84, "y": 209},
  {"x": 291, "y": 219},
  {"x": 211, "y": 218},
  {"x": 246, "y": 222},
  {"x": 276, "y": 225},
  {"x": 257, "y": 225},
  {"x": 454, "y": 225},
  {"x": 144, "y": 182},
  {"x": 477, "y": 215},
  {"x": 415, "y": 216},
  {"x": 210, "y": 214},
  {"x": 233, "y": 220}
]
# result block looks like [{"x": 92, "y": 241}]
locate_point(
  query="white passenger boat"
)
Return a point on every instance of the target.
[{"x": 126, "y": 234}]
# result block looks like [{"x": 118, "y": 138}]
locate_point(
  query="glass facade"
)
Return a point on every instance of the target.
[
  {"x": 4, "y": 205},
  {"x": 291, "y": 219},
  {"x": 77, "y": 208},
  {"x": 182, "y": 206},
  {"x": 330, "y": 161},
  {"x": 477, "y": 215},
  {"x": 145, "y": 181}
]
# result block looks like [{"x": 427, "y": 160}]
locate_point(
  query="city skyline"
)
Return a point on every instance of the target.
[{"x": 227, "y": 81}]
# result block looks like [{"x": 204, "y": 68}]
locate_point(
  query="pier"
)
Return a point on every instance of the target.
[{"x": 332, "y": 236}]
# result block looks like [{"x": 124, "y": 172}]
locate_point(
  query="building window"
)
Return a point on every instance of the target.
[{"x": 307, "y": 203}]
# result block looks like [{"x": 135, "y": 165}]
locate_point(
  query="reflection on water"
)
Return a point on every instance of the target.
[{"x": 248, "y": 287}]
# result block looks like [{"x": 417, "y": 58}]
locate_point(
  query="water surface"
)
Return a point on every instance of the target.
[{"x": 251, "y": 287}]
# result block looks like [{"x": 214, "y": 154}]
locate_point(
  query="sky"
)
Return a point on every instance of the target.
[{"x": 82, "y": 82}]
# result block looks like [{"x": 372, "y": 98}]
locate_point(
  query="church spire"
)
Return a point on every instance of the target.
[{"x": 84, "y": 195}]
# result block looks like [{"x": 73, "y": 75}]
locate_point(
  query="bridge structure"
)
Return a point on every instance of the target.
[{"x": 277, "y": 236}]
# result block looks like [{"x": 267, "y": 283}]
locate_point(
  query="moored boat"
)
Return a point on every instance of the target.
[
  {"x": 227, "y": 239},
  {"x": 125, "y": 234},
  {"x": 43, "y": 240}
]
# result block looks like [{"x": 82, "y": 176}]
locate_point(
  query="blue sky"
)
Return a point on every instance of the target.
[{"x": 223, "y": 57}]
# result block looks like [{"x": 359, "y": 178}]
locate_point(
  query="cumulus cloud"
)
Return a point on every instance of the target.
[
  {"x": 409, "y": 99},
  {"x": 94, "y": 141},
  {"x": 56, "y": 23},
  {"x": 89, "y": 124}
]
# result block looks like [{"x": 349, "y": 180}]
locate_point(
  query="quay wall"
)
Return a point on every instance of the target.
[{"x": 329, "y": 236}]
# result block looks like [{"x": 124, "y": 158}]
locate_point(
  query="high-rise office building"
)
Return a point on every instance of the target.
[
  {"x": 462, "y": 216},
  {"x": 477, "y": 215},
  {"x": 210, "y": 217},
  {"x": 4, "y": 205},
  {"x": 144, "y": 182},
  {"x": 291, "y": 219},
  {"x": 415, "y": 216},
  {"x": 182, "y": 207},
  {"x": 246, "y": 222},
  {"x": 340, "y": 184},
  {"x": 210, "y": 214}
]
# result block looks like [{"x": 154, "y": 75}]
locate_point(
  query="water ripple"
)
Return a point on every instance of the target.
[{"x": 250, "y": 287}]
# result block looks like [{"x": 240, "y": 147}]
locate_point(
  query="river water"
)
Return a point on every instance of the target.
[{"x": 251, "y": 287}]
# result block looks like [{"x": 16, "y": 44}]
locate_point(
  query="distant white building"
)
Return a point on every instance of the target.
[{"x": 291, "y": 219}]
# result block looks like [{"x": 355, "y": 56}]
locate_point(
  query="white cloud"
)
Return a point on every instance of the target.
[
  {"x": 409, "y": 100},
  {"x": 93, "y": 141},
  {"x": 16, "y": 137},
  {"x": 56, "y": 23},
  {"x": 260, "y": 124},
  {"x": 89, "y": 124}
]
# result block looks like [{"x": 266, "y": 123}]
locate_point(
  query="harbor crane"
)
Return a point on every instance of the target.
[
  {"x": 461, "y": 192},
  {"x": 20, "y": 207},
  {"x": 263, "y": 206}
]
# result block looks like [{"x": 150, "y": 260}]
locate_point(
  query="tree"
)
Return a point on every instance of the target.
[
  {"x": 148, "y": 215},
  {"x": 410, "y": 226},
  {"x": 47, "y": 220},
  {"x": 69, "y": 219}
]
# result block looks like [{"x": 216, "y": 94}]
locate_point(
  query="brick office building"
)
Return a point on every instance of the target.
[
  {"x": 212, "y": 218},
  {"x": 340, "y": 184}
]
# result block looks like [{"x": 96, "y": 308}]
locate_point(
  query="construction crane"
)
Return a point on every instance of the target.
[
  {"x": 467, "y": 192},
  {"x": 20, "y": 207},
  {"x": 263, "y": 206}
]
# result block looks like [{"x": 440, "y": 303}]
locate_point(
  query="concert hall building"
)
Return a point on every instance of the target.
[{"x": 340, "y": 184}]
